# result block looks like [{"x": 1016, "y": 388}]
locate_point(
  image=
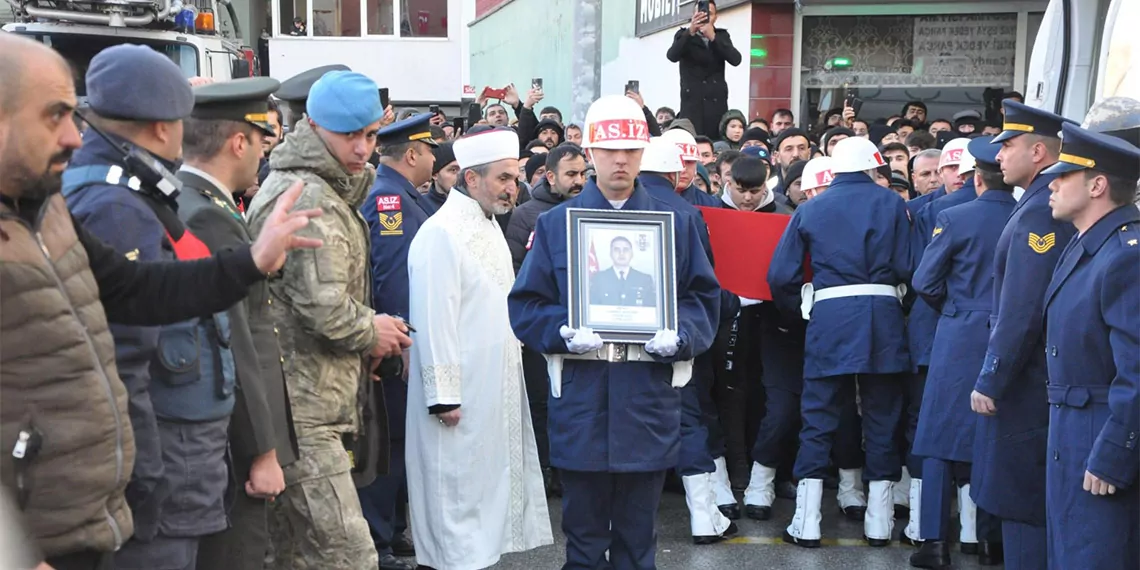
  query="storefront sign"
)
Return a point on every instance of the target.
[
  {"x": 656, "y": 15},
  {"x": 978, "y": 49}
]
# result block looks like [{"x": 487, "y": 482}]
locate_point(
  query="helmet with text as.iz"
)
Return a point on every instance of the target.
[
  {"x": 685, "y": 143},
  {"x": 661, "y": 156},
  {"x": 817, "y": 174},
  {"x": 615, "y": 122}
]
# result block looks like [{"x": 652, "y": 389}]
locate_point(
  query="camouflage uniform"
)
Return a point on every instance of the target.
[{"x": 322, "y": 304}]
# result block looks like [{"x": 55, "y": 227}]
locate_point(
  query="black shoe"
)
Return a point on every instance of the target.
[
  {"x": 904, "y": 539},
  {"x": 902, "y": 512},
  {"x": 855, "y": 513},
  {"x": 728, "y": 533},
  {"x": 877, "y": 542},
  {"x": 934, "y": 554},
  {"x": 402, "y": 546},
  {"x": 788, "y": 538},
  {"x": 991, "y": 553},
  {"x": 970, "y": 548},
  {"x": 731, "y": 512},
  {"x": 390, "y": 562},
  {"x": 786, "y": 490},
  {"x": 757, "y": 512},
  {"x": 673, "y": 483}
]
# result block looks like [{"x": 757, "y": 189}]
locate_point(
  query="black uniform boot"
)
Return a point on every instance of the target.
[{"x": 933, "y": 554}]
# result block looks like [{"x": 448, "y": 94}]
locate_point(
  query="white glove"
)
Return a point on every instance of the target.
[
  {"x": 580, "y": 341},
  {"x": 746, "y": 302},
  {"x": 665, "y": 343}
]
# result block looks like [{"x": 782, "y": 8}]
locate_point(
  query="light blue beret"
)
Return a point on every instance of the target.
[
  {"x": 133, "y": 82},
  {"x": 344, "y": 102}
]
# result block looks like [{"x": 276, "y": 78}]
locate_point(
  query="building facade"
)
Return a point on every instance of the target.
[{"x": 805, "y": 56}]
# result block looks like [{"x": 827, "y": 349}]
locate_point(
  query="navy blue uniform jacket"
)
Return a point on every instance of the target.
[
  {"x": 1008, "y": 478},
  {"x": 956, "y": 278},
  {"x": 856, "y": 233},
  {"x": 615, "y": 417},
  {"x": 1092, "y": 313},
  {"x": 394, "y": 211}
]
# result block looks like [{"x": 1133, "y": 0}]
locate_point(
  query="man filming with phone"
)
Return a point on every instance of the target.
[{"x": 702, "y": 50}]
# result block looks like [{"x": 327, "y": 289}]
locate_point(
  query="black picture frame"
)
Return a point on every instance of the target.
[{"x": 627, "y": 309}]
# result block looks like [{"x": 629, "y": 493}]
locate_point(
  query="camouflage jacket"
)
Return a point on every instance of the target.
[{"x": 322, "y": 299}]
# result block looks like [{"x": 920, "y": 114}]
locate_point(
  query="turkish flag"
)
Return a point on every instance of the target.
[
  {"x": 743, "y": 244},
  {"x": 592, "y": 261}
]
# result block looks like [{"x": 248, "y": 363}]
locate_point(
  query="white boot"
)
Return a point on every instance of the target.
[
  {"x": 911, "y": 531},
  {"x": 721, "y": 485},
  {"x": 967, "y": 517},
  {"x": 900, "y": 493},
  {"x": 851, "y": 499},
  {"x": 804, "y": 530},
  {"x": 761, "y": 489},
  {"x": 705, "y": 519},
  {"x": 879, "y": 521}
]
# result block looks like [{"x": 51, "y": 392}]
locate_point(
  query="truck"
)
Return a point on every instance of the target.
[{"x": 190, "y": 32}]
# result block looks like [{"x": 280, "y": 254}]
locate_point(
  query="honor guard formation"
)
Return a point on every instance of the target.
[{"x": 249, "y": 324}]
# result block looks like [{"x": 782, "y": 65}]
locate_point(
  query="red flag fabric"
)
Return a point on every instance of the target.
[
  {"x": 743, "y": 244},
  {"x": 592, "y": 261}
]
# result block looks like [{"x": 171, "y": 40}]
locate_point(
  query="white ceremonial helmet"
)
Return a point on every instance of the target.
[
  {"x": 661, "y": 156},
  {"x": 855, "y": 154},
  {"x": 685, "y": 143},
  {"x": 817, "y": 173},
  {"x": 967, "y": 163},
  {"x": 953, "y": 153},
  {"x": 615, "y": 122}
]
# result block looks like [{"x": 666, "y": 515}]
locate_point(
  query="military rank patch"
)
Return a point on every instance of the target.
[
  {"x": 387, "y": 203},
  {"x": 1042, "y": 244},
  {"x": 392, "y": 224},
  {"x": 133, "y": 255},
  {"x": 530, "y": 241},
  {"x": 936, "y": 232},
  {"x": 1132, "y": 242}
]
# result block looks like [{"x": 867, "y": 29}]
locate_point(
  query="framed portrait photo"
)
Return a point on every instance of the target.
[{"x": 623, "y": 273}]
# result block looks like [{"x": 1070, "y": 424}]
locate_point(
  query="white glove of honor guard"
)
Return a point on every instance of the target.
[
  {"x": 580, "y": 341},
  {"x": 664, "y": 344}
]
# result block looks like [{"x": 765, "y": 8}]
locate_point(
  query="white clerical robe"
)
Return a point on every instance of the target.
[{"x": 475, "y": 490}]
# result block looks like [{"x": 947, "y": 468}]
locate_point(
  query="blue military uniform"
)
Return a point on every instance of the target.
[
  {"x": 699, "y": 437},
  {"x": 1092, "y": 315},
  {"x": 616, "y": 427},
  {"x": 180, "y": 397},
  {"x": 1008, "y": 475},
  {"x": 955, "y": 277},
  {"x": 856, "y": 233},
  {"x": 394, "y": 210}
]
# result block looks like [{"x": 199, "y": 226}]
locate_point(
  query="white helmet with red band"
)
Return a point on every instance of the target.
[
  {"x": 615, "y": 122},
  {"x": 854, "y": 154},
  {"x": 685, "y": 143},
  {"x": 661, "y": 156},
  {"x": 953, "y": 152},
  {"x": 817, "y": 173}
]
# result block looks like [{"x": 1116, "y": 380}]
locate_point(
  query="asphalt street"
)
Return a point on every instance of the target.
[{"x": 757, "y": 546}]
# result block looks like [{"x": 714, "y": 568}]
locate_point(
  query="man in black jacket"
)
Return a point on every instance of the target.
[
  {"x": 702, "y": 50},
  {"x": 565, "y": 176}
]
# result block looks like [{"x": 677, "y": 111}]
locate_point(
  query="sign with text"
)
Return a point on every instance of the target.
[
  {"x": 656, "y": 15},
  {"x": 974, "y": 49}
]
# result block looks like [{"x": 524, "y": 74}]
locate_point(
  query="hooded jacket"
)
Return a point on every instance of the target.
[
  {"x": 324, "y": 309},
  {"x": 723, "y": 129}
]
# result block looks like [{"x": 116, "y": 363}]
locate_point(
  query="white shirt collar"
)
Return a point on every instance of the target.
[{"x": 208, "y": 178}]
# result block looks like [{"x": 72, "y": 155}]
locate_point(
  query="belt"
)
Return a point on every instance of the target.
[
  {"x": 809, "y": 296},
  {"x": 616, "y": 353},
  {"x": 1077, "y": 396}
]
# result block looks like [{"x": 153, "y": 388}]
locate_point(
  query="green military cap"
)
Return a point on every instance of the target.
[{"x": 239, "y": 100}]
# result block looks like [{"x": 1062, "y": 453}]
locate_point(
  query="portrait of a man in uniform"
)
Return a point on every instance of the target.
[{"x": 621, "y": 285}]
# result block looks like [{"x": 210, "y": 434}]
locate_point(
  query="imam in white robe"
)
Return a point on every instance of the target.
[{"x": 475, "y": 490}]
